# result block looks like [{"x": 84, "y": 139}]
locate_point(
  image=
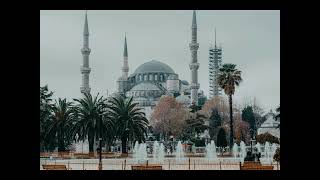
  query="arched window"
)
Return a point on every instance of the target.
[
  {"x": 150, "y": 77},
  {"x": 140, "y": 77},
  {"x": 161, "y": 77},
  {"x": 145, "y": 77},
  {"x": 156, "y": 77}
]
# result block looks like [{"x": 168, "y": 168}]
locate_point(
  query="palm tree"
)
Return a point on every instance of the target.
[
  {"x": 228, "y": 78},
  {"x": 214, "y": 122},
  {"x": 131, "y": 123},
  {"x": 92, "y": 121},
  {"x": 45, "y": 113},
  {"x": 59, "y": 123}
]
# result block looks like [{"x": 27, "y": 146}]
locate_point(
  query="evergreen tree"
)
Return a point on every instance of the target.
[
  {"x": 214, "y": 122},
  {"x": 215, "y": 118},
  {"x": 248, "y": 116},
  {"x": 222, "y": 138}
]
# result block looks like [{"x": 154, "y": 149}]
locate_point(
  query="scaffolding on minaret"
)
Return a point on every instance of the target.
[{"x": 215, "y": 60}]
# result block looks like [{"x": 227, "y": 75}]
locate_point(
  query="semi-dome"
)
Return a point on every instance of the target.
[
  {"x": 154, "y": 67},
  {"x": 185, "y": 99},
  {"x": 184, "y": 82},
  {"x": 173, "y": 77},
  {"x": 145, "y": 87}
]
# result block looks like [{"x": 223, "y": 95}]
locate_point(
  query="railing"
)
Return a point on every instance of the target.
[
  {"x": 74, "y": 155},
  {"x": 167, "y": 164}
]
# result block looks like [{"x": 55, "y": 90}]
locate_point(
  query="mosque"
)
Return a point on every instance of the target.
[{"x": 153, "y": 79}]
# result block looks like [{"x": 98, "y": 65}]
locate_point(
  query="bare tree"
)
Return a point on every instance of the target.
[
  {"x": 168, "y": 117},
  {"x": 218, "y": 103}
]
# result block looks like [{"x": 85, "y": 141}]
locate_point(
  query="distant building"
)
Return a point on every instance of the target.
[{"x": 270, "y": 126}]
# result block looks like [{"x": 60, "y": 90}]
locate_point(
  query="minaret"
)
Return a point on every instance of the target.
[
  {"x": 125, "y": 67},
  {"x": 194, "y": 65},
  {"x": 85, "y": 69},
  {"x": 123, "y": 80}
]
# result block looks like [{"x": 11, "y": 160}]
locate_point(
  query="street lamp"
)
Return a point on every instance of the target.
[
  {"x": 126, "y": 132},
  {"x": 100, "y": 145},
  {"x": 251, "y": 142}
]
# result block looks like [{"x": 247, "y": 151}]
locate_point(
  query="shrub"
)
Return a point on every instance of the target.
[
  {"x": 222, "y": 138},
  {"x": 199, "y": 142},
  {"x": 276, "y": 156},
  {"x": 262, "y": 138}
]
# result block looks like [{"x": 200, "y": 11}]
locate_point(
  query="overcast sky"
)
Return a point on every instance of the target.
[{"x": 250, "y": 39}]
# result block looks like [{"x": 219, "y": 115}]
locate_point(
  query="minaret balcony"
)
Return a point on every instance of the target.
[
  {"x": 125, "y": 69},
  {"x": 85, "y": 89},
  {"x": 85, "y": 70},
  {"x": 85, "y": 50},
  {"x": 195, "y": 86},
  {"x": 194, "y": 66},
  {"x": 194, "y": 46}
]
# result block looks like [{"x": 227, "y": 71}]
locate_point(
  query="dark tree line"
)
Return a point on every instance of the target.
[{"x": 89, "y": 118}]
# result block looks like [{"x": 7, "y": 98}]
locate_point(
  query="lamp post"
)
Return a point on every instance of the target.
[
  {"x": 251, "y": 142},
  {"x": 251, "y": 136},
  {"x": 100, "y": 153},
  {"x": 126, "y": 133},
  {"x": 100, "y": 145}
]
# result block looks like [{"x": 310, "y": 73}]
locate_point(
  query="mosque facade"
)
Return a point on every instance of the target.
[{"x": 154, "y": 79}]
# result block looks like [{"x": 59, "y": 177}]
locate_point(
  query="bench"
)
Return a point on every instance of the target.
[
  {"x": 146, "y": 167},
  {"x": 54, "y": 167},
  {"x": 248, "y": 165}
]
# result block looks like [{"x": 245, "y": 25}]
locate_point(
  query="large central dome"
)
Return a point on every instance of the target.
[{"x": 153, "y": 67}]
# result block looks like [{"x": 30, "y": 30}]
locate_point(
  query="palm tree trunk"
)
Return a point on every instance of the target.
[
  {"x": 61, "y": 142},
  {"x": 91, "y": 143},
  {"x": 231, "y": 122},
  {"x": 124, "y": 145}
]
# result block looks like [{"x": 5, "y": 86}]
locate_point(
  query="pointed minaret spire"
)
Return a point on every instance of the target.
[
  {"x": 125, "y": 52},
  {"x": 215, "y": 38},
  {"x": 85, "y": 69},
  {"x": 194, "y": 19},
  {"x": 125, "y": 67},
  {"x": 86, "y": 28}
]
